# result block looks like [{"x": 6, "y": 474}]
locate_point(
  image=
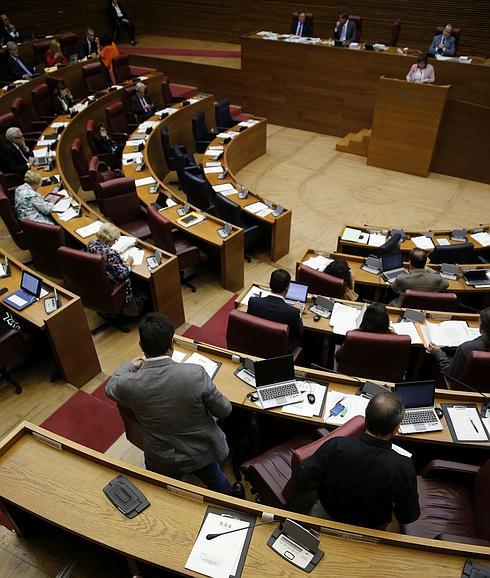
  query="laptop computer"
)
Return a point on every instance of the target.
[
  {"x": 392, "y": 266},
  {"x": 275, "y": 382},
  {"x": 477, "y": 277},
  {"x": 29, "y": 292},
  {"x": 420, "y": 415},
  {"x": 297, "y": 293}
]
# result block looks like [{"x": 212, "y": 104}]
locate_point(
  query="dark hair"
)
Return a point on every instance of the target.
[
  {"x": 98, "y": 126},
  {"x": 417, "y": 258},
  {"x": 485, "y": 320},
  {"x": 422, "y": 57},
  {"x": 344, "y": 14},
  {"x": 105, "y": 40},
  {"x": 156, "y": 334},
  {"x": 340, "y": 269},
  {"x": 375, "y": 319},
  {"x": 384, "y": 413},
  {"x": 279, "y": 281}
]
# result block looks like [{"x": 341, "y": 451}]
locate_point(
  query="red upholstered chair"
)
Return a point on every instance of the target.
[
  {"x": 12, "y": 344},
  {"x": 273, "y": 474},
  {"x": 52, "y": 82},
  {"x": 320, "y": 283},
  {"x": 375, "y": 355},
  {"x": 121, "y": 69},
  {"x": 475, "y": 372},
  {"x": 172, "y": 93},
  {"x": 120, "y": 123},
  {"x": 256, "y": 336},
  {"x": 87, "y": 180},
  {"x": 358, "y": 21},
  {"x": 429, "y": 300},
  {"x": 7, "y": 121},
  {"x": 454, "y": 503},
  {"x": 9, "y": 182},
  {"x": 134, "y": 432},
  {"x": 95, "y": 77},
  {"x": 30, "y": 129},
  {"x": 41, "y": 98},
  {"x": 40, "y": 47},
  {"x": 69, "y": 43},
  {"x": 43, "y": 241},
  {"x": 120, "y": 203},
  {"x": 9, "y": 217},
  {"x": 174, "y": 242},
  {"x": 395, "y": 33}
]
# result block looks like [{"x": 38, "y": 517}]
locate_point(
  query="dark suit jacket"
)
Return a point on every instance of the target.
[
  {"x": 454, "y": 366},
  {"x": 12, "y": 160},
  {"x": 6, "y": 35},
  {"x": 87, "y": 47},
  {"x": 307, "y": 27},
  {"x": 351, "y": 32},
  {"x": 14, "y": 70},
  {"x": 58, "y": 103},
  {"x": 136, "y": 107},
  {"x": 274, "y": 308},
  {"x": 113, "y": 14}
]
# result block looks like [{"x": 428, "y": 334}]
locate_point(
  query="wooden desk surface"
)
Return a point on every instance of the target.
[{"x": 71, "y": 482}]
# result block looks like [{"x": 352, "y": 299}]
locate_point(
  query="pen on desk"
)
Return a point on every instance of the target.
[{"x": 473, "y": 424}]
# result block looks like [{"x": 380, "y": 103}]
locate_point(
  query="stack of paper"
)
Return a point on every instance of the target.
[
  {"x": 255, "y": 208},
  {"x": 62, "y": 205},
  {"x": 407, "y": 328},
  {"x": 355, "y": 236},
  {"x": 354, "y": 404},
  {"x": 423, "y": 242},
  {"x": 69, "y": 214},
  {"x": 210, "y": 366},
  {"x": 89, "y": 229},
  {"x": 448, "y": 333},
  {"x": 255, "y": 292},
  {"x": 145, "y": 181},
  {"x": 136, "y": 254},
  {"x": 213, "y": 151},
  {"x": 376, "y": 239},
  {"x": 305, "y": 408},
  {"x": 346, "y": 318},
  {"x": 227, "y": 134},
  {"x": 124, "y": 243},
  {"x": 318, "y": 262},
  {"x": 211, "y": 170},
  {"x": 483, "y": 238}
]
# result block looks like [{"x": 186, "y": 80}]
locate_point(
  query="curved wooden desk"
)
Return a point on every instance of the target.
[
  {"x": 66, "y": 328},
  {"x": 70, "y": 482}
]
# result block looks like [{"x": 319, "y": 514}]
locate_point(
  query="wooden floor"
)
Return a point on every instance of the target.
[{"x": 325, "y": 189}]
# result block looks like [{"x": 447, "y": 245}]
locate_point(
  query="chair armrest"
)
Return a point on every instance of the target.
[
  {"x": 463, "y": 539},
  {"x": 445, "y": 466},
  {"x": 266, "y": 486}
]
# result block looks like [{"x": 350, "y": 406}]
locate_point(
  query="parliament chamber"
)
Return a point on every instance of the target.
[{"x": 180, "y": 166}]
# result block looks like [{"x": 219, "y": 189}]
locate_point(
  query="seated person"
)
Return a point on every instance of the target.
[
  {"x": 340, "y": 269},
  {"x": 89, "y": 46},
  {"x": 15, "y": 66},
  {"x": 421, "y": 71},
  {"x": 274, "y": 308},
  {"x": 120, "y": 20},
  {"x": 345, "y": 29},
  {"x": 16, "y": 156},
  {"x": 8, "y": 31},
  {"x": 445, "y": 43},
  {"x": 141, "y": 104},
  {"x": 361, "y": 480},
  {"x": 301, "y": 25},
  {"x": 62, "y": 98},
  {"x": 29, "y": 204},
  {"x": 54, "y": 55},
  {"x": 452, "y": 366},
  {"x": 108, "y": 51},
  {"x": 104, "y": 143},
  {"x": 419, "y": 278}
]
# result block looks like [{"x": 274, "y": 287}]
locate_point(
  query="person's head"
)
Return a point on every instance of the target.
[
  {"x": 101, "y": 130},
  {"x": 14, "y": 135},
  {"x": 375, "y": 319},
  {"x": 4, "y": 19},
  {"x": 108, "y": 233},
  {"x": 156, "y": 335},
  {"x": 140, "y": 88},
  {"x": 32, "y": 179},
  {"x": 344, "y": 16},
  {"x": 301, "y": 16},
  {"x": 12, "y": 48},
  {"x": 91, "y": 34},
  {"x": 54, "y": 46},
  {"x": 447, "y": 30},
  {"x": 340, "y": 269},
  {"x": 422, "y": 60},
  {"x": 105, "y": 40},
  {"x": 61, "y": 86},
  {"x": 417, "y": 259},
  {"x": 384, "y": 414},
  {"x": 280, "y": 281},
  {"x": 485, "y": 321}
]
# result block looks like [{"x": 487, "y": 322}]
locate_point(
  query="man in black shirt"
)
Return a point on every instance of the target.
[{"x": 361, "y": 480}]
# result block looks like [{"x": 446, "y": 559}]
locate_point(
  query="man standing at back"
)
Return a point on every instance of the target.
[
  {"x": 274, "y": 308},
  {"x": 176, "y": 406}
]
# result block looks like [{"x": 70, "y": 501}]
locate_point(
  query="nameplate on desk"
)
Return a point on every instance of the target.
[
  {"x": 48, "y": 441},
  {"x": 186, "y": 494}
]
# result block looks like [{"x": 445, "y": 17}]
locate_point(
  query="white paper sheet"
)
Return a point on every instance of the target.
[
  {"x": 178, "y": 356},
  {"x": 136, "y": 254},
  {"x": 211, "y": 170},
  {"x": 442, "y": 241},
  {"x": 264, "y": 212},
  {"x": 62, "y": 205},
  {"x": 400, "y": 451},
  {"x": 407, "y": 328},
  {"x": 305, "y": 408},
  {"x": 355, "y": 404},
  {"x": 223, "y": 187},
  {"x": 467, "y": 423},
  {"x": 145, "y": 181},
  {"x": 318, "y": 262},
  {"x": 345, "y": 318},
  {"x": 89, "y": 229},
  {"x": 255, "y": 292},
  {"x": 124, "y": 243},
  {"x": 376, "y": 239},
  {"x": 254, "y": 208},
  {"x": 355, "y": 236},
  {"x": 69, "y": 214},
  {"x": 483, "y": 238},
  {"x": 423, "y": 242},
  {"x": 208, "y": 364}
]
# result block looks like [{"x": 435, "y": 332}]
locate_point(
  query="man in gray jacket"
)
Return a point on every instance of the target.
[
  {"x": 419, "y": 278},
  {"x": 176, "y": 406}
]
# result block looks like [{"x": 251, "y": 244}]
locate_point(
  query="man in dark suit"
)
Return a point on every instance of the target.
[
  {"x": 89, "y": 45},
  {"x": 141, "y": 104},
  {"x": 345, "y": 29},
  {"x": 454, "y": 366},
  {"x": 16, "y": 157},
  {"x": 120, "y": 20},
  {"x": 8, "y": 31},
  {"x": 15, "y": 66},
  {"x": 274, "y": 308},
  {"x": 301, "y": 25},
  {"x": 445, "y": 43}
]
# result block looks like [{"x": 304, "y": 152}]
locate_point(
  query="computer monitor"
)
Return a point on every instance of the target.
[
  {"x": 416, "y": 393},
  {"x": 274, "y": 370},
  {"x": 297, "y": 292},
  {"x": 31, "y": 284},
  {"x": 392, "y": 261}
]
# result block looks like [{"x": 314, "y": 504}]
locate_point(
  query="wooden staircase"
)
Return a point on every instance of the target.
[{"x": 356, "y": 143}]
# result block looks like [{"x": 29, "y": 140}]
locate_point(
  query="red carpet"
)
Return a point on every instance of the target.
[
  {"x": 213, "y": 331},
  {"x": 87, "y": 420},
  {"x": 182, "y": 52},
  {"x": 99, "y": 393}
]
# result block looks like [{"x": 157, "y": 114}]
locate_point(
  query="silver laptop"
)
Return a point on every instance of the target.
[
  {"x": 297, "y": 293},
  {"x": 418, "y": 398},
  {"x": 392, "y": 266},
  {"x": 275, "y": 382}
]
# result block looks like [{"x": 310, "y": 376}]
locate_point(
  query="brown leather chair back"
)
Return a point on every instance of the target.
[
  {"x": 81, "y": 165},
  {"x": 429, "y": 300},
  {"x": 395, "y": 33},
  {"x": 13, "y": 225},
  {"x": 134, "y": 432},
  {"x": 116, "y": 117},
  {"x": 121, "y": 69},
  {"x": 43, "y": 241},
  {"x": 90, "y": 132},
  {"x": 475, "y": 372},
  {"x": 358, "y": 21},
  {"x": 320, "y": 283},
  {"x": 481, "y": 501},
  {"x": 7, "y": 121},
  {"x": 256, "y": 336},
  {"x": 69, "y": 43},
  {"x": 166, "y": 93},
  {"x": 41, "y": 99},
  {"x": 161, "y": 230},
  {"x": 22, "y": 120},
  {"x": 95, "y": 77},
  {"x": 40, "y": 47}
]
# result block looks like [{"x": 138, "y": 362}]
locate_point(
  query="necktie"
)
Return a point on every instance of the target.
[
  {"x": 23, "y": 66},
  {"x": 300, "y": 29},
  {"x": 144, "y": 104}
]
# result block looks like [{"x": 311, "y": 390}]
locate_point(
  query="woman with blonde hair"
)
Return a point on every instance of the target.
[
  {"x": 54, "y": 55},
  {"x": 29, "y": 204}
]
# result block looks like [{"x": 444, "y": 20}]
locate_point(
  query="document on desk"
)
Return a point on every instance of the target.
[
  {"x": 226, "y": 192},
  {"x": 305, "y": 408},
  {"x": 211, "y": 170},
  {"x": 178, "y": 356},
  {"x": 346, "y": 318},
  {"x": 407, "y": 328},
  {"x": 442, "y": 241},
  {"x": 376, "y": 239},
  {"x": 230, "y": 134},
  {"x": 129, "y": 158},
  {"x": 255, "y": 292},
  {"x": 124, "y": 243},
  {"x": 69, "y": 214},
  {"x": 318, "y": 262},
  {"x": 465, "y": 423},
  {"x": 135, "y": 142},
  {"x": 355, "y": 236},
  {"x": 447, "y": 334},
  {"x": 483, "y": 238},
  {"x": 89, "y": 229},
  {"x": 136, "y": 254},
  {"x": 255, "y": 208},
  {"x": 210, "y": 367},
  {"x": 218, "y": 558},
  {"x": 423, "y": 242},
  {"x": 354, "y": 405},
  {"x": 145, "y": 181},
  {"x": 213, "y": 151},
  {"x": 62, "y": 205}
]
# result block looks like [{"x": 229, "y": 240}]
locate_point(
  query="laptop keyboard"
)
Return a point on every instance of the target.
[
  {"x": 279, "y": 391},
  {"x": 424, "y": 416}
]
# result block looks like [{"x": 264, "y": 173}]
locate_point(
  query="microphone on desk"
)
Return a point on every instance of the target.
[
  {"x": 485, "y": 406},
  {"x": 213, "y": 536}
]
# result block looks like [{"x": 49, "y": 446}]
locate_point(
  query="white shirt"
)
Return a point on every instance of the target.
[
  {"x": 118, "y": 11},
  {"x": 343, "y": 34},
  {"x": 299, "y": 28}
]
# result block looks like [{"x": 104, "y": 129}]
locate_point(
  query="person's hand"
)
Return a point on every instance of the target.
[
  {"x": 137, "y": 362},
  {"x": 298, "y": 305},
  {"x": 30, "y": 161},
  {"x": 337, "y": 25},
  {"x": 125, "y": 20},
  {"x": 129, "y": 260},
  {"x": 433, "y": 348}
]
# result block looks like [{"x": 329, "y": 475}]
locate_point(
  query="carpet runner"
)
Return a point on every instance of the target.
[{"x": 213, "y": 332}]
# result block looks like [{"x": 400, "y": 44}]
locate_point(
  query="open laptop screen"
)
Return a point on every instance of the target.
[
  {"x": 275, "y": 370},
  {"x": 416, "y": 393},
  {"x": 31, "y": 284},
  {"x": 297, "y": 292},
  {"x": 392, "y": 261}
]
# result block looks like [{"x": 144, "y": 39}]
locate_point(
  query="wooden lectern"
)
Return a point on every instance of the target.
[{"x": 405, "y": 125}]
